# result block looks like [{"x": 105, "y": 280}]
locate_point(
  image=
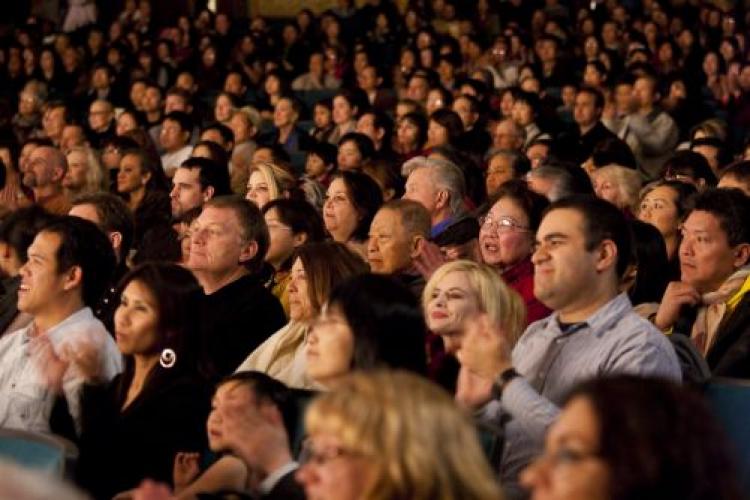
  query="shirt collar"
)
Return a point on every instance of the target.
[
  {"x": 601, "y": 320},
  {"x": 273, "y": 478},
  {"x": 53, "y": 334}
]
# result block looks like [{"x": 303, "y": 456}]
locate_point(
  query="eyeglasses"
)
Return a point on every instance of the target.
[
  {"x": 309, "y": 454},
  {"x": 566, "y": 457},
  {"x": 501, "y": 224}
]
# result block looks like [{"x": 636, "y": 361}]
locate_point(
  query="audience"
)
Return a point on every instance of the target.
[{"x": 424, "y": 142}]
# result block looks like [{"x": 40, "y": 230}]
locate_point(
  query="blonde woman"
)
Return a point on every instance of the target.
[
  {"x": 85, "y": 174},
  {"x": 392, "y": 436},
  {"x": 459, "y": 290},
  {"x": 269, "y": 181},
  {"x": 619, "y": 185}
]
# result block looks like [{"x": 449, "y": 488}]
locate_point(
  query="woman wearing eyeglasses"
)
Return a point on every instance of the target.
[
  {"x": 506, "y": 239},
  {"x": 629, "y": 437},
  {"x": 392, "y": 435}
]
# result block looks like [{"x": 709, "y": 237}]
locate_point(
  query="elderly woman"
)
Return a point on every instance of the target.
[
  {"x": 317, "y": 269},
  {"x": 506, "y": 239},
  {"x": 619, "y": 186},
  {"x": 85, "y": 174},
  {"x": 395, "y": 436}
]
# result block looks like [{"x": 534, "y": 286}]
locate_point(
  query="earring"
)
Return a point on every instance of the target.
[{"x": 168, "y": 358}]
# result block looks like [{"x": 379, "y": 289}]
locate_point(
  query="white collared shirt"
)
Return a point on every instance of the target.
[{"x": 25, "y": 399}]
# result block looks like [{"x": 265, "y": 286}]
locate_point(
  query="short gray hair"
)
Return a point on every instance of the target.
[{"x": 446, "y": 176}]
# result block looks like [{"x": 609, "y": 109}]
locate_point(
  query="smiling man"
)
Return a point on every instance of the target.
[
  {"x": 583, "y": 247},
  {"x": 69, "y": 265}
]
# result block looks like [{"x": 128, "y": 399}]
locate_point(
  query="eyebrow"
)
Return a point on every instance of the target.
[{"x": 553, "y": 236}]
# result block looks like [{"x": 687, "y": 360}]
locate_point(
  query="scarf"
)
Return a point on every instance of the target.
[{"x": 714, "y": 306}]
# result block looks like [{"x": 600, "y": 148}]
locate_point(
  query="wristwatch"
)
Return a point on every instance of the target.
[{"x": 502, "y": 381}]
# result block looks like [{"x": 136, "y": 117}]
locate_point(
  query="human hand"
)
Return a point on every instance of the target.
[
  {"x": 429, "y": 258},
  {"x": 484, "y": 349},
  {"x": 677, "y": 295},
  {"x": 256, "y": 435},
  {"x": 472, "y": 391},
  {"x": 185, "y": 470},
  {"x": 51, "y": 365}
]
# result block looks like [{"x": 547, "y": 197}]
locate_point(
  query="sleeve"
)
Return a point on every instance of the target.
[
  {"x": 656, "y": 137},
  {"x": 530, "y": 409}
]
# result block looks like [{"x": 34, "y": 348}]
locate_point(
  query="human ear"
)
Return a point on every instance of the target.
[{"x": 248, "y": 251}]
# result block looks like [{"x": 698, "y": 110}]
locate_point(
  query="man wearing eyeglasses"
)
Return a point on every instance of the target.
[{"x": 582, "y": 249}]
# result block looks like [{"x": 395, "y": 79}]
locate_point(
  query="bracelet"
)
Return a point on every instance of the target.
[{"x": 502, "y": 381}]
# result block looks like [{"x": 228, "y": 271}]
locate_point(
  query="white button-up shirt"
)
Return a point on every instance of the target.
[{"x": 25, "y": 399}]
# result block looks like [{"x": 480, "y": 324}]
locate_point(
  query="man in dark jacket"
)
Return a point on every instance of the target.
[{"x": 228, "y": 243}]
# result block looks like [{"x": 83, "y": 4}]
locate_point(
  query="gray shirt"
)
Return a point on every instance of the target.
[{"x": 551, "y": 362}]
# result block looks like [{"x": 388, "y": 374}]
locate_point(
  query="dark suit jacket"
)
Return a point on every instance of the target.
[
  {"x": 286, "y": 489},
  {"x": 730, "y": 354}
]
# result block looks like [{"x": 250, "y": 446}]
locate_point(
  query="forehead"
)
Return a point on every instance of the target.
[
  {"x": 704, "y": 221},
  {"x": 662, "y": 192},
  {"x": 386, "y": 219},
  {"x": 188, "y": 175},
  {"x": 455, "y": 279},
  {"x": 219, "y": 215},
  {"x": 337, "y": 186},
  {"x": 45, "y": 243},
  {"x": 566, "y": 221}
]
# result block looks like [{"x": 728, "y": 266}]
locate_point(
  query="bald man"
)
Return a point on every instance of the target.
[{"x": 44, "y": 174}]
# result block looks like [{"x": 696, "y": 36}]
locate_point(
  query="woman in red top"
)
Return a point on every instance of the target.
[{"x": 506, "y": 239}]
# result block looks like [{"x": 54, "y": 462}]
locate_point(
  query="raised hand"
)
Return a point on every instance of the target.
[
  {"x": 484, "y": 350},
  {"x": 186, "y": 468}
]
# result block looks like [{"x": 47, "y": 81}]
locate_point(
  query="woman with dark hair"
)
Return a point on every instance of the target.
[
  {"x": 648, "y": 276},
  {"x": 143, "y": 184},
  {"x": 370, "y": 322},
  {"x": 411, "y": 135},
  {"x": 627, "y": 437},
  {"x": 506, "y": 239},
  {"x": 348, "y": 104},
  {"x": 354, "y": 150},
  {"x": 317, "y": 269},
  {"x": 352, "y": 200},
  {"x": 664, "y": 204},
  {"x": 133, "y": 426},
  {"x": 291, "y": 223},
  {"x": 445, "y": 129}
]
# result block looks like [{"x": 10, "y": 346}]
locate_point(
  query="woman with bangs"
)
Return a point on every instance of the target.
[{"x": 392, "y": 436}]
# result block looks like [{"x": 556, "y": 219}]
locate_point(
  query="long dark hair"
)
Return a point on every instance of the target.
[
  {"x": 386, "y": 322},
  {"x": 178, "y": 296},
  {"x": 660, "y": 440}
]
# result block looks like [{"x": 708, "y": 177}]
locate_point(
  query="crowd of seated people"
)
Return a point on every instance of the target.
[{"x": 390, "y": 250}]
